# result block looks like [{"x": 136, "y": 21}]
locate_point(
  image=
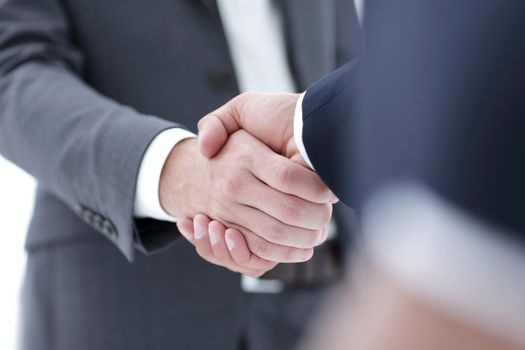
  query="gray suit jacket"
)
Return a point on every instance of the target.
[{"x": 85, "y": 85}]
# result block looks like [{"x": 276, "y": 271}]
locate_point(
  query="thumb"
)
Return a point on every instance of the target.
[
  {"x": 216, "y": 127},
  {"x": 212, "y": 135}
]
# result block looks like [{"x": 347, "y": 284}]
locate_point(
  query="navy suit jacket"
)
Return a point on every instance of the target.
[{"x": 438, "y": 99}]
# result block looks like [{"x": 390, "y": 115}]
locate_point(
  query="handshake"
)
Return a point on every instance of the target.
[{"x": 243, "y": 194}]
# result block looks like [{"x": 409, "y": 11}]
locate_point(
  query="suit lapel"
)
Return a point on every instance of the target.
[{"x": 310, "y": 30}]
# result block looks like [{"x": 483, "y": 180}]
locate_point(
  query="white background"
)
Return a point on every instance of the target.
[{"x": 16, "y": 202}]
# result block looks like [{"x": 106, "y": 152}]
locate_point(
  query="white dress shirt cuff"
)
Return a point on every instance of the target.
[
  {"x": 298, "y": 130},
  {"x": 452, "y": 260},
  {"x": 147, "y": 201}
]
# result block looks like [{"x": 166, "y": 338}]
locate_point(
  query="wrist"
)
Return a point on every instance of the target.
[
  {"x": 289, "y": 107},
  {"x": 147, "y": 201},
  {"x": 174, "y": 185}
]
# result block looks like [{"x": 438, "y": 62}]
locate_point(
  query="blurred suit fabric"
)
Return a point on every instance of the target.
[
  {"x": 419, "y": 108},
  {"x": 84, "y": 87}
]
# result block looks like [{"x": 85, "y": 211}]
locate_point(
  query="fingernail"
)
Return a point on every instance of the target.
[
  {"x": 214, "y": 236},
  {"x": 200, "y": 230},
  {"x": 229, "y": 241},
  {"x": 334, "y": 199}
]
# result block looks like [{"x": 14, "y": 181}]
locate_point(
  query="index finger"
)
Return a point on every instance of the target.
[{"x": 289, "y": 177}]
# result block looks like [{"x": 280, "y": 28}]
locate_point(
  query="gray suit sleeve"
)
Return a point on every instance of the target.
[{"x": 80, "y": 146}]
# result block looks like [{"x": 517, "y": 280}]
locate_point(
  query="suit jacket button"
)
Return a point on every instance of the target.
[
  {"x": 98, "y": 222},
  {"x": 79, "y": 209},
  {"x": 88, "y": 216},
  {"x": 223, "y": 79},
  {"x": 109, "y": 229}
]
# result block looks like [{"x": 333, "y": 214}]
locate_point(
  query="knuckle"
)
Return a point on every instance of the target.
[
  {"x": 233, "y": 185},
  {"x": 275, "y": 231},
  {"x": 240, "y": 100},
  {"x": 261, "y": 248},
  {"x": 291, "y": 212},
  {"x": 244, "y": 156},
  {"x": 282, "y": 175}
]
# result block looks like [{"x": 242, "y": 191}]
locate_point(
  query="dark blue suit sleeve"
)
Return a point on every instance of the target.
[
  {"x": 443, "y": 103},
  {"x": 327, "y": 107},
  {"x": 440, "y": 102}
]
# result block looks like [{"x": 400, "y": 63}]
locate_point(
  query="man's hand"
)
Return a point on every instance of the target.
[
  {"x": 268, "y": 117},
  {"x": 223, "y": 247},
  {"x": 280, "y": 207}
]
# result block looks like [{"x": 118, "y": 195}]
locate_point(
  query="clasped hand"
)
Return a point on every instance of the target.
[{"x": 242, "y": 193}]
